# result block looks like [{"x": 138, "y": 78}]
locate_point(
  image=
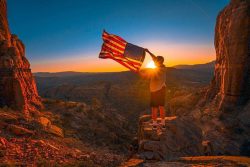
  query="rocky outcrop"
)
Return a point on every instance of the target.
[
  {"x": 181, "y": 138},
  {"x": 17, "y": 85},
  {"x": 231, "y": 84}
]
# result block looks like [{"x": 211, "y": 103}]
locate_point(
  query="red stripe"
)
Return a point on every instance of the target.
[
  {"x": 105, "y": 54},
  {"x": 116, "y": 46},
  {"x": 115, "y": 36},
  {"x": 127, "y": 59},
  {"x": 117, "y": 54},
  {"x": 133, "y": 69},
  {"x": 121, "y": 62},
  {"x": 119, "y": 38},
  {"x": 122, "y": 45},
  {"x": 106, "y": 48},
  {"x": 122, "y": 57},
  {"x": 129, "y": 65},
  {"x": 115, "y": 40},
  {"x": 124, "y": 64},
  {"x": 132, "y": 64},
  {"x": 105, "y": 51}
]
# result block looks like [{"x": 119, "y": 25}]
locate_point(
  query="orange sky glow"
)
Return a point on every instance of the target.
[{"x": 174, "y": 54}]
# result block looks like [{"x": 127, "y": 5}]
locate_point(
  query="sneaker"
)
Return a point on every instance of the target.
[{"x": 163, "y": 127}]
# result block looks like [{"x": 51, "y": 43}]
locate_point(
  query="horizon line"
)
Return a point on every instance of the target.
[{"x": 117, "y": 71}]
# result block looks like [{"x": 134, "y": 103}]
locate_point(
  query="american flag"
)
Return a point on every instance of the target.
[{"x": 127, "y": 54}]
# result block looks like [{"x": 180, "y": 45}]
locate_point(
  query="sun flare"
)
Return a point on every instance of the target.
[{"x": 151, "y": 64}]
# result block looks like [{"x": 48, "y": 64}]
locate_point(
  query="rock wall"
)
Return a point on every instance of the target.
[
  {"x": 17, "y": 85},
  {"x": 231, "y": 84}
]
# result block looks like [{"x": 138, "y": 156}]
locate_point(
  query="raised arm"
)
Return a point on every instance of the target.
[{"x": 151, "y": 54}]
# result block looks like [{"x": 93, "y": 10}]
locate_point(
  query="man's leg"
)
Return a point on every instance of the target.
[
  {"x": 162, "y": 114},
  {"x": 154, "y": 115}
]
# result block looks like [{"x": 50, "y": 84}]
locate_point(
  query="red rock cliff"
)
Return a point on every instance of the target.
[
  {"x": 17, "y": 85},
  {"x": 4, "y": 28},
  {"x": 231, "y": 84}
]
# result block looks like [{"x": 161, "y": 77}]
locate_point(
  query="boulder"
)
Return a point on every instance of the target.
[
  {"x": 231, "y": 83},
  {"x": 56, "y": 131},
  {"x": 17, "y": 86},
  {"x": 45, "y": 122}
]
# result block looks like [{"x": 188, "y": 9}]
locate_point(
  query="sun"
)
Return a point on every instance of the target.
[{"x": 151, "y": 64}]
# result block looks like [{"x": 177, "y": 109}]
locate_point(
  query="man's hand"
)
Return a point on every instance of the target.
[{"x": 151, "y": 54}]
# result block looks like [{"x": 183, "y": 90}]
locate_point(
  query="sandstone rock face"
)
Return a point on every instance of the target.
[
  {"x": 231, "y": 83},
  {"x": 17, "y": 85}
]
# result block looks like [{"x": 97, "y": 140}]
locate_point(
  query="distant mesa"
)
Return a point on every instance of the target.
[
  {"x": 60, "y": 74},
  {"x": 17, "y": 85}
]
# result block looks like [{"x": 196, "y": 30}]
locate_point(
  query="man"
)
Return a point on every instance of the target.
[{"x": 157, "y": 78}]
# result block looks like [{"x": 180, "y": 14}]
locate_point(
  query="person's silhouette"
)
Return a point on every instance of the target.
[{"x": 157, "y": 79}]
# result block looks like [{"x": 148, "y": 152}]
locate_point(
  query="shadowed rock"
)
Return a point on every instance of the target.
[{"x": 17, "y": 85}]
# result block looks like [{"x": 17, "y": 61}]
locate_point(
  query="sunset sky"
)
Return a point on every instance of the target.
[{"x": 65, "y": 35}]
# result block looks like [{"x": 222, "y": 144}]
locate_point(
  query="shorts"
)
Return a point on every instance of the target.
[{"x": 158, "y": 98}]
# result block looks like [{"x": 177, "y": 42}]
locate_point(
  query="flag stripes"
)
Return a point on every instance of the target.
[
  {"x": 114, "y": 48},
  {"x": 124, "y": 63},
  {"x": 112, "y": 38},
  {"x": 133, "y": 65}
]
